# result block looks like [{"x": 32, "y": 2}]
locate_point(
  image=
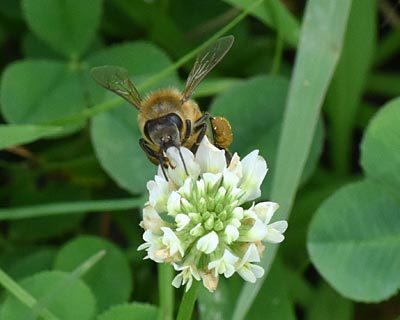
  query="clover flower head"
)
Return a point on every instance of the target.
[{"x": 195, "y": 219}]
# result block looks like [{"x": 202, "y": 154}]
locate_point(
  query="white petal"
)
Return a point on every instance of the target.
[
  {"x": 230, "y": 270},
  {"x": 273, "y": 236},
  {"x": 235, "y": 166},
  {"x": 231, "y": 233},
  {"x": 265, "y": 210},
  {"x": 230, "y": 180},
  {"x": 254, "y": 171},
  {"x": 143, "y": 246},
  {"x": 174, "y": 203},
  {"x": 257, "y": 270},
  {"x": 238, "y": 213},
  {"x": 210, "y": 158},
  {"x": 189, "y": 284},
  {"x": 182, "y": 220},
  {"x": 225, "y": 265},
  {"x": 171, "y": 241},
  {"x": 200, "y": 186},
  {"x": 208, "y": 243},
  {"x": 235, "y": 222},
  {"x": 229, "y": 257},
  {"x": 186, "y": 189},
  {"x": 249, "y": 213},
  {"x": 177, "y": 282},
  {"x": 211, "y": 179},
  {"x": 257, "y": 232},
  {"x": 158, "y": 193},
  {"x": 251, "y": 255},
  {"x": 152, "y": 220},
  {"x": 279, "y": 226},
  {"x": 247, "y": 274},
  {"x": 177, "y": 171}
]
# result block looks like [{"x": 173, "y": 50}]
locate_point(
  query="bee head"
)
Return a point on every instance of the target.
[{"x": 164, "y": 131}]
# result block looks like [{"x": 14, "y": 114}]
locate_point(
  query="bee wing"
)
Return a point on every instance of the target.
[
  {"x": 116, "y": 79},
  {"x": 205, "y": 62}
]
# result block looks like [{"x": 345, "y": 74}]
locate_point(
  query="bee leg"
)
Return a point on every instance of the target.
[
  {"x": 188, "y": 131},
  {"x": 200, "y": 121},
  {"x": 228, "y": 157},
  {"x": 202, "y": 129},
  {"x": 152, "y": 154}
]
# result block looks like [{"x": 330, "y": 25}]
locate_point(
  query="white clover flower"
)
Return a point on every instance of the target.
[{"x": 194, "y": 220}]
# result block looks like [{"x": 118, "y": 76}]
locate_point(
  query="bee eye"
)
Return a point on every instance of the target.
[{"x": 174, "y": 118}]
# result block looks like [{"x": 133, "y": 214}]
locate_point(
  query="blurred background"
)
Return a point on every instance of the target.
[{"x": 72, "y": 175}]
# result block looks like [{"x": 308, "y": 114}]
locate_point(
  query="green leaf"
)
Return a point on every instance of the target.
[
  {"x": 33, "y": 262},
  {"x": 384, "y": 84},
  {"x": 11, "y": 135},
  {"x": 68, "y": 26},
  {"x": 72, "y": 207},
  {"x": 34, "y": 92},
  {"x": 273, "y": 301},
  {"x": 255, "y": 110},
  {"x": 110, "y": 279},
  {"x": 34, "y": 48},
  {"x": 24, "y": 297},
  {"x": 133, "y": 311},
  {"x": 309, "y": 198},
  {"x": 66, "y": 297},
  {"x": 318, "y": 53},
  {"x": 34, "y": 188},
  {"x": 328, "y": 305},
  {"x": 115, "y": 137},
  {"x": 42, "y": 228},
  {"x": 11, "y": 9},
  {"x": 380, "y": 156},
  {"x": 142, "y": 59},
  {"x": 348, "y": 83},
  {"x": 354, "y": 241},
  {"x": 388, "y": 47},
  {"x": 274, "y": 14},
  {"x": 218, "y": 305}
]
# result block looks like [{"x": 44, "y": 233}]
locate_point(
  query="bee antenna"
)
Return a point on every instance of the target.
[
  {"x": 183, "y": 161},
  {"x": 163, "y": 169},
  {"x": 164, "y": 173}
]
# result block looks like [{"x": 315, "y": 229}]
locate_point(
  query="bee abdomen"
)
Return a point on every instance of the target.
[{"x": 222, "y": 132}]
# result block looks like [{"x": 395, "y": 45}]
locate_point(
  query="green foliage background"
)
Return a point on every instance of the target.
[{"x": 312, "y": 84}]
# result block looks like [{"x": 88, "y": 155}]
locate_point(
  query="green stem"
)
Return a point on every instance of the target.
[
  {"x": 22, "y": 295},
  {"x": 187, "y": 303},
  {"x": 166, "y": 292}
]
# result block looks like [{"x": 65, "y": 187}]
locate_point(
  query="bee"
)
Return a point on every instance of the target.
[{"x": 168, "y": 117}]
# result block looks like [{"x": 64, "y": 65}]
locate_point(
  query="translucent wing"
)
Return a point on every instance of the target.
[
  {"x": 116, "y": 79},
  {"x": 205, "y": 62}
]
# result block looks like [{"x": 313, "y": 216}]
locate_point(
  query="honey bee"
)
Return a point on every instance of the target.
[{"x": 168, "y": 117}]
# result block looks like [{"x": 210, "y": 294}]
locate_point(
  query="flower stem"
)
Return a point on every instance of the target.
[
  {"x": 187, "y": 303},
  {"x": 166, "y": 292}
]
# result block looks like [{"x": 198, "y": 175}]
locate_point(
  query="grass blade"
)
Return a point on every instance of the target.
[
  {"x": 51, "y": 209},
  {"x": 22, "y": 295},
  {"x": 318, "y": 53},
  {"x": 348, "y": 83},
  {"x": 274, "y": 14}
]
